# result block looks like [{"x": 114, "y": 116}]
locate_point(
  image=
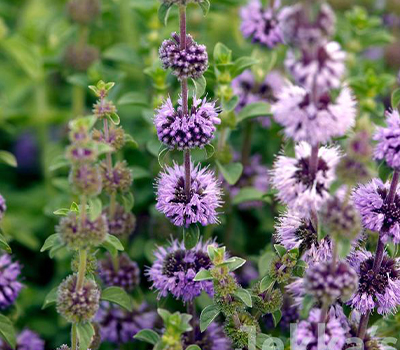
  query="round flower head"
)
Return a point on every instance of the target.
[
  {"x": 376, "y": 214},
  {"x": 82, "y": 153},
  {"x": 120, "y": 178},
  {"x": 261, "y": 24},
  {"x": 26, "y": 340},
  {"x": 83, "y": 12},
  {"x": 116, "y": 137},
  {"x": 268, "y": 301},
  {"x": 213, "y": 338},
  {"x": 122, "y": 224},
  {"x": 9, "y": 285},
  {"x": 3, "y": 206},
  {"x": 333, "y": 334},
  {"x": 191, "y": 62},
  {"x": 77, "y": 235},
  {"x": 388, "y": 139},
  {"x": 240, "y": 337},
  {"x": 180, "y": 131},
  {"x": 80, "y": 58},
  {"x": 91, "y": 263},
  {"x": 305, "y": 119},
  {"x": 124, "y": 274},
  {"x": 78, "y": 306},
  {"x": 328, "y": 285},
  {"x": 325, "y": 70},
  {"x": 86, "y": 179},
  {"x": 297, "y": 187},
  {"x": 175, "y": 267},
  {"x": 204, "y": 199},
  {"x": 379, "y": 290},
  {"x": 120, "y": 326},
  {"x": 104, "y": 108}
]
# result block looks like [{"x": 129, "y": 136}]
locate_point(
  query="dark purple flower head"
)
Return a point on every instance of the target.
[
  {"x": 388, "y": 139},
  {"x": 305, "y": 119},
  {"x": 297, "y": 187},
  {"x": 125, "y": 273},
  {"x": 325, "y": 69},
  {"x": 261, "y": 24},
  {"x": 122, "y": 223},
  {"x": 119, "y": 326},
  {"x": 86, "y": 179},
  {"x": 191, "y": 62},
  {"x": 119, "y": 179},
  {"x": 203, "y": 202},
  {"x": 213, "y": 338},
  {"x": 175, "y": 267},
  {"x": 379, "y": 290},
  {"x": 26, "y": 150},
  {"x": 180, "y": 131},
  {"x": 9, "y": 285},
  {"x": 376, "y": 214},
  {"x": 3, "y": 206}
]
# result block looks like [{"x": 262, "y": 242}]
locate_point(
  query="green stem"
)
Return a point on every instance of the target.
[
  {"x": 78, "y": 100},
  {"x": 81, "y": 269},
  {"x": 74, "y": 337}
]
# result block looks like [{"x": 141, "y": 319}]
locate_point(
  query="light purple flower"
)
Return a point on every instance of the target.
[
  {"x": 376, "y": 215},
  {"x": 10, "y": 287},
  {"x": 261, "y": 24},
  {"x": 297, "y": 187},
  {"x": 305, "y": 119},
  {"x": 26, "y": 340},
  {"x": 213, "y": 338},
  {"x": 175, "y": 267},
  {"x": 324, "y": 70},
  {"x": 205, "y": 196},
  {"x": 3, "y": 207},
  {"x": 388, "y": 146},
  {"x": 180, "y": 131}
]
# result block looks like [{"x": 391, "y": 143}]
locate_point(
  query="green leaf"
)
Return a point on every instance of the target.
[
  {"x": 148, "y": 336},
  {"x": 308, "y": 303},
  {"x": 200, "y": 86},
  {"x": 280, "y": 249},
  {"x": 133, "y": 99},
  {"x": 277, "y": 315},
  {"x": 211, "y": 249},
  {"x": 344, "y": 247},
  {"x": 61, "y": 212},
  {"x": 163, "y": 12},
  {"x": 58, "y": 163},
  {"x": 7, "y": 331},
  {"x": 191, "y": 236},
  {"x": 203, "y": 275},
  {"x": 117, "y": 296},
  {"x": 395, "y": 98},
  {"x": 8, "y": 158},
  {"x": 79, "y": 79},
  {"x": 4, "y": 245},
  {"x": 231, "y": 172},
  {"x": 264, "y": 264},
  {"x": 233, "y": 263},
  {"x": 208, "y": 315},
  {"x": 112, "y": 244},
  {"x": 253, "y": 110},
  {"x": 85, "y": 335},
  {"x": 248, "y": 194},
  {"x": 50, "y": 299},
  {"x": 55, "y": 248},
  {"x": 114, "y": 118},
  {"x": 128, "y": 201},
  {"x": 222, "y": 54},
  {"x": 245, "y": 296},
  {"x": 261, "y": 339},
  {"x": 128, "y": 139},
  {"x": 193, "y": 347},
  {"x": 49, "y": 242},
  {"x": 95, "y": 208},
  {"x": 75, "y": 207},
  {"x": 123, "y": 53},
  {"x": 164, "y": 314},
  {"x": 241, "y": 64},
  {"x": 230, "y": 105},
  {"x": 205, "y": 6},
  {"x": 266, "y": 283}
]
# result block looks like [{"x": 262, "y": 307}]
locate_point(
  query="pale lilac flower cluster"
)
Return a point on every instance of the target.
[
  {"x": 3, "y": 206},
  {"x": 213, "y": 338},
  {"x": 10, "y": 287},
  {"x": 26, "y": 340}
]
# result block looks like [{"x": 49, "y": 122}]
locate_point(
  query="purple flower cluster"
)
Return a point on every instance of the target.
[
  {"x": 261, "y": 24},
  {"x": 212, "y": 339},
  {"x": 26, "y": 340},
  {"x": 199, "y": 207},
  {"x": 175, "y": 267},
  {"x": 3, "y": 206},
  {"x": 180, "y": 131},
  {"x": 10, "y": 287}
]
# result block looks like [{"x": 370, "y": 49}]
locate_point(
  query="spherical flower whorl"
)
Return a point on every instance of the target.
[
  {"x": 268, "y": 301},
  {"x": 91, "y": 263},
  {"x": 325, "y": 70},
  {"x": 125, "y": 274},
  {"x": 381, "y": 289},
  {"x": 3, "y": 206},
  {"x": 180, "y": 131},
  {"x": 297, "y": 187},
  {"x": 78, "y": 305},
  {"x": 376, "y": 214},
  {"x": 103, "y": 108},
  {"x": 10, "y": 287},
  {"x": 116, "y": 137},
  {"x": 240, "y": 337},
  {"x": 80, "y": 58},
  {"x": 77, "y": 235},
  {"x": 81, "y": 153},
  {"x": 328, "y": 285},
  {"x": 122, "y": 223},
  {"x": 314, "y": 121},
  {"x": 119, "y": 179},
  {"x": 190, "y": 62},
  {"x": 213, "y": 338},
  {"x": 119, "y": 326},
  {"x": 260, "y": 24},
  {"x": 199, "y": 207},
  {"x": 86, "y": 179},
  {"x": 83, "y": 12},
  {"x": 175, "y": 267},
  {"x": 388, "y": 139}
]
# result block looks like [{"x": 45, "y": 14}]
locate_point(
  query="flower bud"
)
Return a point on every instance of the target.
[{"x": 83, "y": 11}]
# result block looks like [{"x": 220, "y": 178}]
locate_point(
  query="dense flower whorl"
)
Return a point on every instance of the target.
[
  {"x": 86, "y": 179},
  {"x": 376, "y": 214},
  {"x": 78, "y": 306},
  {"x": 119, "y": 326},
  {"x": 10, "y": 287},
  {"x": 3, "y": 206},
  {"x": 125, "y": 275},
  {"x": 191, "y": 62},
  {"x": 324, "y": 71},
  {"x": 83, "y": 12},
  {"x": 116, "y": 137},
  {"x": 296, "y": 186},
  {"x": 118, "y": 179},
  {"x": 26, "y": 340},
  {"x": 213, "y": 338},
  {"x": 379, "y": 290},
  {"x": 175, "y": 267},
  {"x": 200, "y": 207},
  {"x": 180, "y": 131},
  {"x": 122, "y": 223},
  {"x": 260, "y": 24},
  {"x": 304, "y": 119},
  {"x": 388, "y": 139}
]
